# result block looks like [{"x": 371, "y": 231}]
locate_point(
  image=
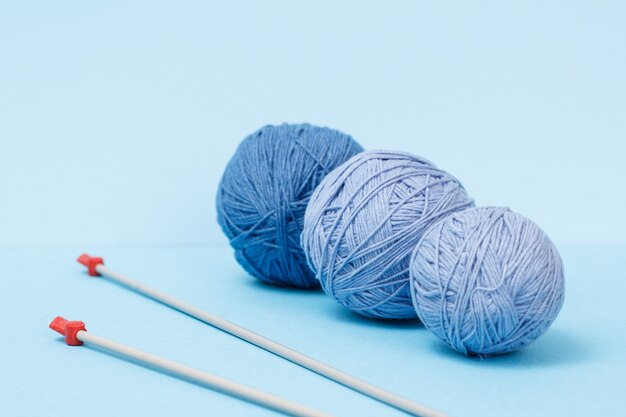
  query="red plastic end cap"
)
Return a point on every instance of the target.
[
  {"x": 90, "y": 262},
  {"x": 69, "y": 329}
]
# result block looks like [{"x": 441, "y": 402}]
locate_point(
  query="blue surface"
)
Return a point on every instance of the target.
[
  {"x": 118, "y": 118},
  {"x": 576, "y": 369},
  {"x": 146, "y": 101}
]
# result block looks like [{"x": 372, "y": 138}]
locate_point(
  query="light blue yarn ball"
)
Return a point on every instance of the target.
[
  {"x": 486, "y": 281},
  {"x": 265, "y": 190},
  {"x": 363, "y": 222}
]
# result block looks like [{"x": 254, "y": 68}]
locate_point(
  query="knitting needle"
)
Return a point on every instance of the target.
[
  {"x": 76, "y": 334},
  {"x": 95, "y": 267}
]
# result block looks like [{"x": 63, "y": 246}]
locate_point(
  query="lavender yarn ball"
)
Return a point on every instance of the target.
[
  {"x": 363, "y": 222},
  {"x": 265, "y": 190},
  {"x": 486, "y": 281}
]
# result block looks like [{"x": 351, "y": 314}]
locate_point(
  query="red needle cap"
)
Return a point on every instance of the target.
[
  {"x": 69, "y": 329},
  {"x": 90, "y": 262}
]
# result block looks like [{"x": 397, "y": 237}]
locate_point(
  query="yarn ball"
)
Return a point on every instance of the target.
[
  {"x": 363, "y": 222},
  {"x": 486, "y": 281},
  {"x": 265, "y": 190}
]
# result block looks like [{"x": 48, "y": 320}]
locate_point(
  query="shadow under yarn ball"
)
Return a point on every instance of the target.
[
  {"x": 487, "y": 281},
  {"x": 265, "y": 190},
  {"x": 363, "y": 222}
]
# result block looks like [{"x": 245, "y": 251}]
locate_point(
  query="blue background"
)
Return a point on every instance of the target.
[{"x": 117, "y": 119}]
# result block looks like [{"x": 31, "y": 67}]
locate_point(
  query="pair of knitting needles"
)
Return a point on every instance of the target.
[{"x": 76, "y": 334}]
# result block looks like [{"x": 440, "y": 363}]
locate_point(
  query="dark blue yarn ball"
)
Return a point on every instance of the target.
[{"x": 264, "y": 192}]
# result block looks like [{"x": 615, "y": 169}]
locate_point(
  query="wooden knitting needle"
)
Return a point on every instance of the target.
[
  {"x": 95, "y": 267},
  {"x": 76, "y": 334}
]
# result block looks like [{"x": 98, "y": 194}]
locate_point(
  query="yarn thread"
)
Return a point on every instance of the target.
[
  {"x": 486, "y": 281},
  {"x": 363, "y": 221},
  {"x": 264, "y": 192}
]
